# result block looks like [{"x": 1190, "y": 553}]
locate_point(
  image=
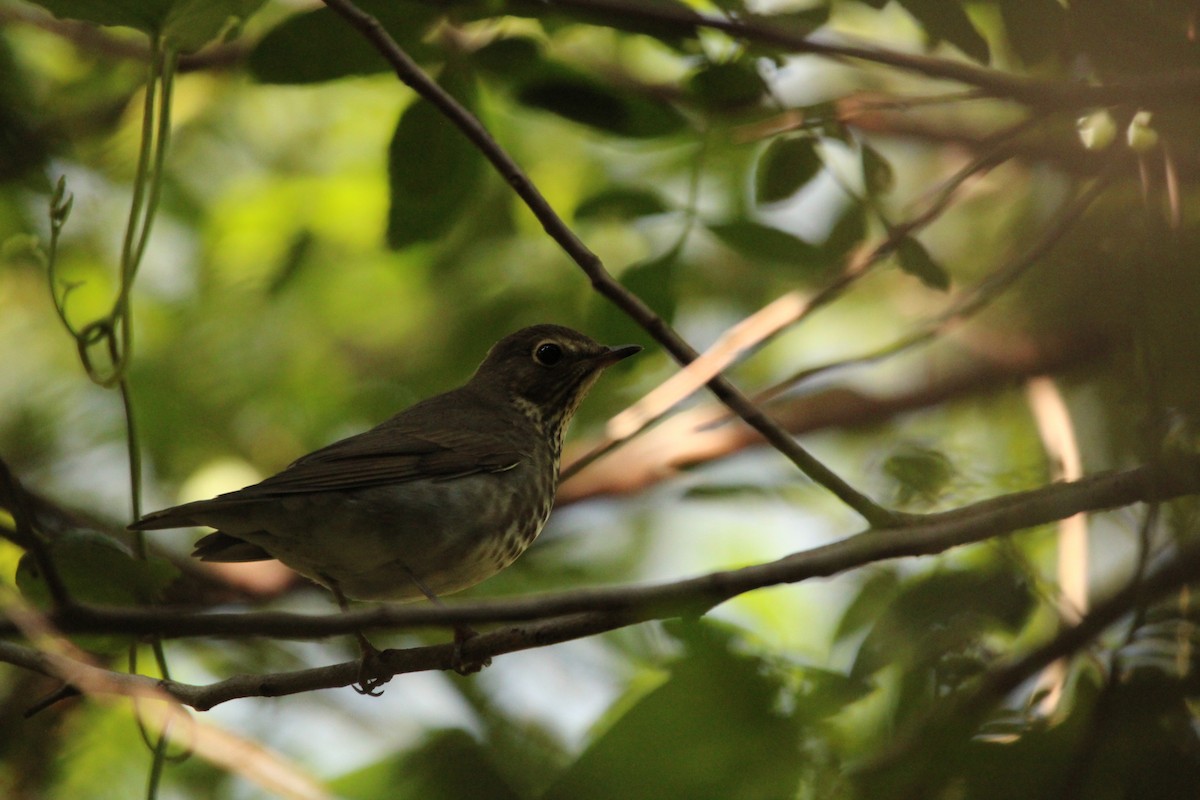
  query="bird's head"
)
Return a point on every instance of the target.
[{"x": 546, "y": 370}]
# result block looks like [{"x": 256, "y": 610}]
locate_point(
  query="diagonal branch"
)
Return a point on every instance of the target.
[
  {"x": 701, "y": 435},
  {"x": 793, "y": 308},
  {"x": 20, "y": 504},
  {"x": 961, "y": 714},
  {"x": 602, "y": 281},
  {"x": 155, "y": 710}
]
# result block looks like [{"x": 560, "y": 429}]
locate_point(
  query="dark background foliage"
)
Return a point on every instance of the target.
[{"x": 969, "y": 194}]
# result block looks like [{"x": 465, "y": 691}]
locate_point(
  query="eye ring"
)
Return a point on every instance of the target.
[{"x": 547, "y": 354}]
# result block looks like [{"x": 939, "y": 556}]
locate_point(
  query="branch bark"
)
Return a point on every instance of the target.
[
  {"x": 586, "y": 613},
  {"x": 1050, "y": 95},
  {"x": 932, "y": 534},
  {"x": 602, "y": 281}
]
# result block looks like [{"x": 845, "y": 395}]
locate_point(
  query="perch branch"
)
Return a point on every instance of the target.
[
  {"x": 550, "y": 619},
  {"x": 935, "y": 533}
]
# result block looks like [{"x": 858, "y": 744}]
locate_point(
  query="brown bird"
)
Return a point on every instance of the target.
[{"x": 440, "y": 497}]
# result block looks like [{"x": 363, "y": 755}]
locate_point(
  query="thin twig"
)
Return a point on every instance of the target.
[
  {"x": 14, "y": 497},
  {"x": 158, "y": 710},
  {"x": 698, "y": 436},
  {"x": 786, "y": 311},
  {"x": 958, "y": 716},
  {"x": 968, "y": 304}
]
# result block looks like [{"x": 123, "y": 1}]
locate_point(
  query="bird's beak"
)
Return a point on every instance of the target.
[{"x": 615, "y": 354}]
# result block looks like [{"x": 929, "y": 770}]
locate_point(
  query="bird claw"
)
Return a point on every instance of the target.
[
  {"x": 369, "y": 686},
  {"x": 372, "y": 673},
  {"x": 459, "y": 663}
]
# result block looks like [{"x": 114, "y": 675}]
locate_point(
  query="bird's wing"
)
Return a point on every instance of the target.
[
  {"x": 386, "y": 455},
  {"x": 427, "y": 441},
  {"x": 378, "y": 457}
]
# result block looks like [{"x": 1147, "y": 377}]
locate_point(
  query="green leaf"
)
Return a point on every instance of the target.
[
  {"x": 97, "y": 570},
  {"x": 187, "y": 24},
  {"x": 872, "y": 600},
  {"x": 847, "y": 233},
  {"x": 916, "y": 261},
  {"x": 939, "y": 615},
  {"x": 878, "y": 176},
  {"x": 787, "y": 164},
  {"x": 825, "y": 693},
  {"x": 758, "y": 241},
  {"x": 147, "y": 16},
  {"x": 652, "y": 280},
  {"x": 570, "y": 93},
  {"x": 712, "y": 730},
  {"x": 509, "y": 59},
  {"x": 919, "y": 473},
  {"x": 579, "y": 97},
  {"x": 1037, "y": 29},
  {"x": 1117, "y": 36},
  {"x": 433, "y": 171},
  {"x": 191, "y": 24},
  {"x": 319, "y": 46},
  {"x": 679, "y": 34},
  {"x": 621, "y": 202},
  {"x": 449, "y": 765},
  {"x": 946, "y": 19},
  {"x": 802, "y": 21},
  {"x": 727, "y": 87}
]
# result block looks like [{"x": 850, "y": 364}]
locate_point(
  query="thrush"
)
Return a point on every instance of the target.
[{"x": 443, "y": 495}]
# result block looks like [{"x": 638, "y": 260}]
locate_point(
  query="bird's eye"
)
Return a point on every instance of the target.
[{"x": 547, "y": 354}]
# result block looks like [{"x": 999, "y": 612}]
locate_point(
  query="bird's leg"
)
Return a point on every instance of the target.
[
  {"x": 462, "y": 633},
  {"x": 368, "y": 666}
]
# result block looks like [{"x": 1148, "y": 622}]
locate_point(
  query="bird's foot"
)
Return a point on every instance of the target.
[
  {"x": 460, "y": 664},
  {"x": 372, "y": 673}
]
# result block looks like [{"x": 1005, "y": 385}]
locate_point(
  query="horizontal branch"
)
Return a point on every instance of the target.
[
  {"x": 934, "y": 533},
  {"x": 1182, "y": 569},
  {"x": 1146, "y": 90},
  {"x": 96, "y": 40},
  {"x": 884, "y": 115}
]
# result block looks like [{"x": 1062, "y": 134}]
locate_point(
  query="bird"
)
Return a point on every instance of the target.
[{"x": 439, "y": 497}]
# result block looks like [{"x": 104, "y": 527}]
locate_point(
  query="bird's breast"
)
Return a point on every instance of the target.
[{"x": 449, "y": 534}]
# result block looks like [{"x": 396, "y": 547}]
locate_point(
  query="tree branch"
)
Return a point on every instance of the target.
[
  {"x": 693, "y": 596},
  {"x": 629, "y": 606},
  {"x": 20, "y": 504},
  {"x": 954, "y": 719},
  {"x": 701, "y": 435},
  {"x": 638, "y": 417},
  {"x": 602, "y": 281},
  {"x": 1034, "y": 92},
  {"x": 93, "y": 39}
]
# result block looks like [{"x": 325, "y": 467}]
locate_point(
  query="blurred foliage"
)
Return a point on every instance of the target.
[{"x": 329, "y": 249}]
